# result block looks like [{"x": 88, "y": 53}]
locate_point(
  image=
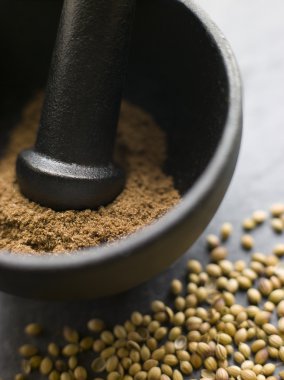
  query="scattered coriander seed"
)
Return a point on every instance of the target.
[
  {"x": 54, "y": 375},
  {"x": 96, "y": 325},
  {"x": 248, "y": 374},
  {"x": 53, "y": 349},
  {"x": 277, "y": 209},
  {"x": 177, "y": 375},
  {"x": 46, "y": 366},
  {"x": 226, "y": 231},
  {"x": 222, "y": 374},
  {"x": 154, "y": 373},
  {"x": 248, "y": 224},
  {"x": 176, "y": 286},
  {"x": 268, "y": 369},
  {"x": 19, "y": 376},
  {"x": 279, "y": 250},
  {"x": 33, "y": 329},
  {"x": 276, "y": 296},
  {"x": 65, "y": 376},
  {"x": 259, "y": 216},
  {"x": 254, "y": 296},
  {"x": 261, "y": 356},
  {"x": 28, "y": 350},
  {"x": 247, "y": 242},
  {"x": 212, "y": 241},
  {"x": 80, "y": 373},
  {"x": 277, "y": 225}
]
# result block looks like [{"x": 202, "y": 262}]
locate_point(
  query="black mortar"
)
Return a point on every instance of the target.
[{"x": 182, "y": 71}]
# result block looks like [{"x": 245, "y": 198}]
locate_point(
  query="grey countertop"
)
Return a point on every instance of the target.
[{"x": 255, "y": 29}]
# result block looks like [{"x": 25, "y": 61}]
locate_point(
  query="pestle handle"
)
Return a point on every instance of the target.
[{"x": 71, "y": 165}]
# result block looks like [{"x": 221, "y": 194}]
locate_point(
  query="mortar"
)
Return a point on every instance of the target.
[{"x": 183, "y": 72}]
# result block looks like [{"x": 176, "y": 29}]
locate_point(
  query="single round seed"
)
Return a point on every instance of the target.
[
  {"x": 35, "y": 361},
  {"x": 244, "y": 282},
  {"x": 280, "y": 309},
  {"x": 257, "y": 345},
  {"x": 72, "y": 362},
  {"x": 212, "y": 241},
  {"x": 222, "y": 374},
  {"x": 28, "y": 350},
  {"x": 113, "y": 376},
  {"x": 70, "y": 335},
  {"x": 257, "y": 369},
  {"x": 248, "y": 224},
  {"x": 107, "y": 337},
  {"x": 261, "y": 356},
  {"x": 19, "y": 376},
  {"x": 154, "y": 373},
  {"x": 186, "y": 368},
  {"x": 180, "y": 303},
  {"x": 245, "y": 350},
  {"x": 262, "y": 317},
  {"x": 160, "y": 333},
  {"x": 234, "y": 371},
  {"x": 254, "y": 296},
  {"x": 226, "y": 231},
  {"x": 210, "y": 363},
  {"x": 65, "y": 376},
  {"x": 279, "y": 250},
  {"x": 98, "y": 365},
  {"x": 213, "y": 270},
  {"x": 141, "y": 375},
  {"x": 136, "y": 318},
  {"x": 259, "y": 216},
  {"x": 96, "y": 325},
  {"x": 203, "y": 349},
  {"x": 247, "y": 242},
  {"x": 112, "y": 363},
  {"x": 174, "y": 333},
  {"x": 159, "y": 354},
  {"x": 221, "y": 352},
  {"x": 277, "y": 209},
  {"x": 80, "y": 373},
  {"x": 70, "y": 349},
  {"x": 281, "y": 325},
  {"x": 171, "y": 360},
  {"x": 247, "y": 364},
  {"x": 45, "y": 366},
  {"x": 165, "y": 377},
  {"x": 167, "y": 370},
  {"x": 281, "y": 354},
  {"x": 275, "y": 341},
  {"x": 240, "y": 336},
  {"x": 268, "y": 306},
  {"x": 150, "y": 363},
  {"x": 218, "y": 254},
  {"x": 177, "y": 375},
  {"x": 178, "y": 319},
  {"x": 269, "y": 329},
  {"x": 265, "y": 286},
  {"x": 157, "y": 306},
  {"x": 53, "y": 349},
  {"x": 183, "y": 355},
  {"x": 248, "y": 374},
  {"x": 239, "y": 358},
  {"x": 99, "y": 345},
  {"x": 224, "y": 339},
  {"x": 33, "y": 329},
  {"x": 277, "y": 225},
  {"x": 54, "y": 375},
  {"x": 176, "y": 286},
  {"x": 196, "y": 361},
  {"x": 194, "y": 266},
  {"x": 276, "y": 296},
  {"x": 268, "y": 369}
]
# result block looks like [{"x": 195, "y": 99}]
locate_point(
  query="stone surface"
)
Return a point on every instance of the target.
[{"x": 255, "y": 30}]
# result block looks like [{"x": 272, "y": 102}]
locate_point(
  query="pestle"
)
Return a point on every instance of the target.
[{"x": 71, "y": 165}]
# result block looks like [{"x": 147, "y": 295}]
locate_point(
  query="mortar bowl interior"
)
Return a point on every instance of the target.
[{"x": 183, "y": 72}]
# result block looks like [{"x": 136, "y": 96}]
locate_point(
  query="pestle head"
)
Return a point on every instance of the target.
[
  {"x": 64, "y": 186},
  {"x": 71, "y": 165}
]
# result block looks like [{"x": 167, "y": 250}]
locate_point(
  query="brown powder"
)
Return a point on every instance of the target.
[{"x": 148, "y": 194}]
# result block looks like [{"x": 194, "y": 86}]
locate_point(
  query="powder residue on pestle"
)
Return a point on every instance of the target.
[{"x": 141, "y": 149}]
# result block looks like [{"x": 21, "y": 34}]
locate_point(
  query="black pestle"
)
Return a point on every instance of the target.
[{"x": 71, "y": 165}]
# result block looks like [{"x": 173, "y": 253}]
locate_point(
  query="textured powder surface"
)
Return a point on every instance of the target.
[{"x": 148, "y": 194}]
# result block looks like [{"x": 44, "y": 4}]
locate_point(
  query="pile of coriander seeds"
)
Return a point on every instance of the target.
[{"x": 203, "y": 334}]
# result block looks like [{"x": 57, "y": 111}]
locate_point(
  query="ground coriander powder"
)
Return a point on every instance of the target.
[{"x": 141, "y": 149}]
